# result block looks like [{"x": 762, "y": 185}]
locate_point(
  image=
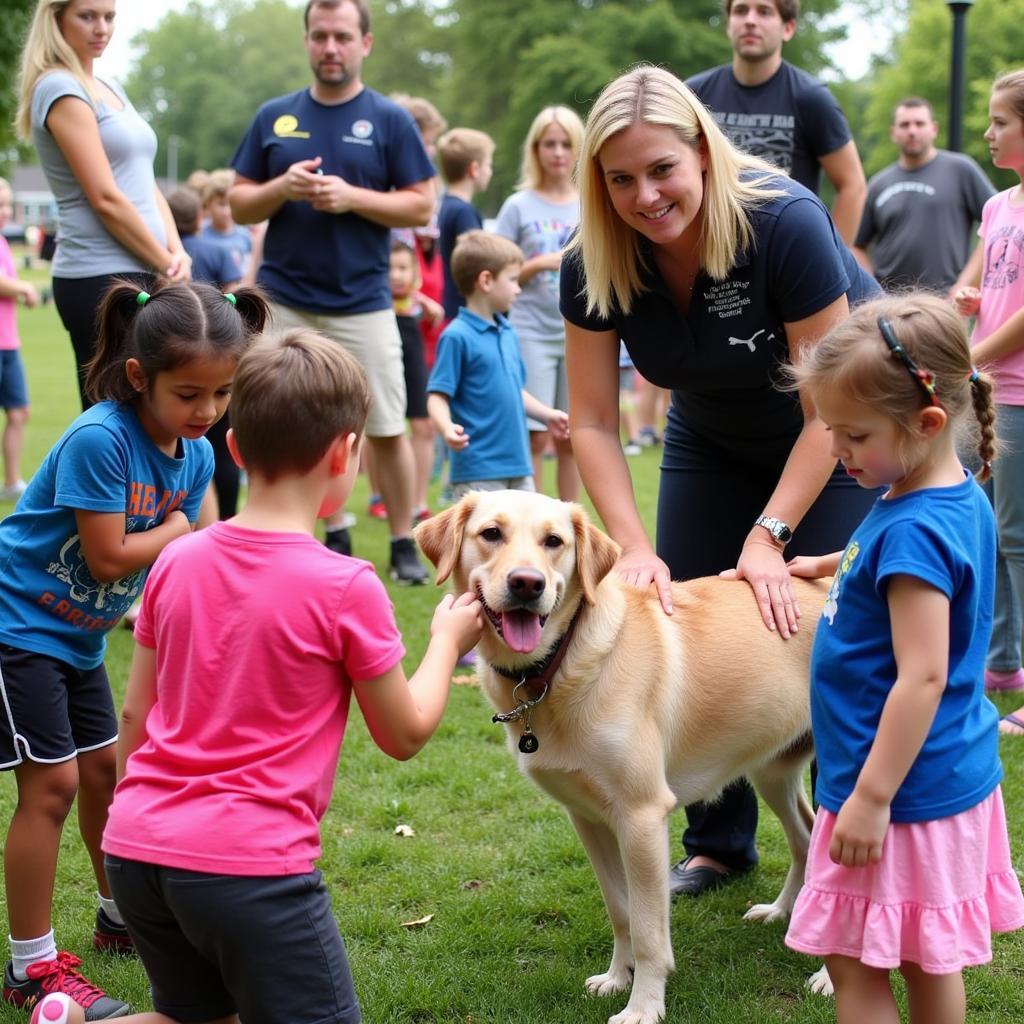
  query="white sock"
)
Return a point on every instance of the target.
[
  {"x": 29, "y": 951},
  {"x": 110, "y": 909}
]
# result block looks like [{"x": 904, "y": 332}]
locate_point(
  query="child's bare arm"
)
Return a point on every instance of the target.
[
  {"x": 14, "y": 288},
  {"x": 440, "y": 413},
  {"x": 919, "y": 615},
  {"x": 813, "y": 567},
  {"x": 554, "y": 419},
  {"x": 139, "y": 698},
  {"x": 111, "y": 553},
  {"x": 401, "y": 715}
]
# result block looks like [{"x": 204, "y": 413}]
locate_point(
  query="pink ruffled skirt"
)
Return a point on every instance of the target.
[{"x": 940, "y": 891}]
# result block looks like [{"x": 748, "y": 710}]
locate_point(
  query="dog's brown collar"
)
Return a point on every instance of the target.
[{"x": 536, "y": 678}]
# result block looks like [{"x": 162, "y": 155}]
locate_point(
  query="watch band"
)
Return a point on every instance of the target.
[{"x": 780, "y": 532}]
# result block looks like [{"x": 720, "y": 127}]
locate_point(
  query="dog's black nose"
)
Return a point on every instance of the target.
[{"x": 526, "y": 584}]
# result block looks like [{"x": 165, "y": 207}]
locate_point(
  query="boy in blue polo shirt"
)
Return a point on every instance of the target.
[{"x": 476, "y": 396}]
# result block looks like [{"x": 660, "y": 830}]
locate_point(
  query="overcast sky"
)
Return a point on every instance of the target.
[{"x": 852, "y": 56}]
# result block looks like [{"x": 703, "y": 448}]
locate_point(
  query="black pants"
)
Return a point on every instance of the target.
[
  {"x": 708, "y": 499},
  {"x": 226, "y": 476},
  {"x": 78, "y": 301}
]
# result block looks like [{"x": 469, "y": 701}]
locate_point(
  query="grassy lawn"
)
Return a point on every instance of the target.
[{"x": 517, "y": 920}]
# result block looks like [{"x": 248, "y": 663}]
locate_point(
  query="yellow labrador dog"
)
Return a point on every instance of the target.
[{"x": 622, "y": 712}]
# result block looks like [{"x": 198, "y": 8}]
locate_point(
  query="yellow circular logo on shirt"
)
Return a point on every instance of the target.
[{"x": 286, "y": 124}]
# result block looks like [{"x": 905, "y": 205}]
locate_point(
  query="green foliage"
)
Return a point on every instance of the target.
[
  {"x": 920, "y": 65},
  {"x": 13, "y": 25}
]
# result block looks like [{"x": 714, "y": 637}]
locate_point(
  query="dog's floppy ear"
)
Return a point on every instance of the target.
[
  {"x": 596, "y": 553},
  {"x": 440, "y": 537}
]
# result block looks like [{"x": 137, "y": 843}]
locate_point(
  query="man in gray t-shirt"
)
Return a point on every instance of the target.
[{"x": 916, "y": 227}]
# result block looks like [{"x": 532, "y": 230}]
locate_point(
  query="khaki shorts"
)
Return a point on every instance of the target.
[
  {"x": 519, "y": 483},
  {"x": 373, "y": 339}
]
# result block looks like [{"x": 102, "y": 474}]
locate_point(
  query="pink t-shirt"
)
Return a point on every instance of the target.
[
  {"x": 8, "y": 313},
  {"x": 258, "y": 637},
  {"x": 1002, "y": 289}
]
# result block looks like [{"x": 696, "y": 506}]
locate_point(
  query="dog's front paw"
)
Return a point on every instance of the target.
[
  {"x": 608, "y": 984},
  {"x": 766, "y": 912},
  {"x": 650, "y": 1013},
  {"x": 820, "y": 983}
]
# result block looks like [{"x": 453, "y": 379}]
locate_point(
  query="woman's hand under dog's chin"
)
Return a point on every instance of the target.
[{"x": 640, "y": 567}]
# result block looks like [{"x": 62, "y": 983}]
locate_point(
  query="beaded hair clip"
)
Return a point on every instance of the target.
[{"x": 923, "y": 377}]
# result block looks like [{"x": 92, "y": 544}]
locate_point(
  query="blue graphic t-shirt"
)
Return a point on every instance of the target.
[
  {"x": 946, "y": 537},
  {"x": 333, "y": 263},
  {"x": 105, "y": 462}
]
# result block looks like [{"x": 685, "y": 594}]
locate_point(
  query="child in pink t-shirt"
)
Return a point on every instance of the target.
[
  {"x": 998, "y": 346},
  {"x": 251, "y": 640},
  {"x": 13, "y": 390}
]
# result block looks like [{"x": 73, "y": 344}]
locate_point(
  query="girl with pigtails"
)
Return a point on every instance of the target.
[{"x": 124, "y": 480}]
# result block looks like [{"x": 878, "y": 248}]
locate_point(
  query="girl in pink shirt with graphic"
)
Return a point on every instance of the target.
[{"x": 998, "y": 347}]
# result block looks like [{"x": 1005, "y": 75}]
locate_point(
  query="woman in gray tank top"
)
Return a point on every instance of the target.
[{"x": 97, "y": 154}]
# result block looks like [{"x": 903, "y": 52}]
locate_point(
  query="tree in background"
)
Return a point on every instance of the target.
[
  {"x": 919, "y": 65},
  {"x": 13, "y": 25}
]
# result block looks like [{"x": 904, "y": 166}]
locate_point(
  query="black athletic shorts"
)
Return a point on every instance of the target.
[
  {"x": 50, "y": 710},
  {"x": 266, "y": 948}
]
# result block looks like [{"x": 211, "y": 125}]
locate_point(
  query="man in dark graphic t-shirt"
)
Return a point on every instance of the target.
[{"x": 772, "y": 109}]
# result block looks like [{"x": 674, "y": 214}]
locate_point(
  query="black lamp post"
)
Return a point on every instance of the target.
[{"x": 959, "y": 10}]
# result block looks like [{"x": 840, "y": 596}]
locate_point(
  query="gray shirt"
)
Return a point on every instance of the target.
[
  {"x": 85, "y": 248},
  {"x": 917, "y": 222},
  {"x": 537, "y": 227}
]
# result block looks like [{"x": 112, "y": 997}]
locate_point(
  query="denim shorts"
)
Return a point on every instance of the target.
[
  {"x": 13, "y": 386},
  {"x": 267, "y": 948}
]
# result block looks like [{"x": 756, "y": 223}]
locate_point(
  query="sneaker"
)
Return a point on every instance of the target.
[
  {"x": 648, "y": 437},
  {"x": 631, "y": 448},
  {"x": 60, "y": 975},
  {"x": 421, "y": 515},
  {"x": 111, "y": 937},
  {"x": 348, "y": 520},
  {"x": 338, "y": 540},
  {"x": 406, "y": 567},
  {"x": 1004, "y": 682},
  {"x": 377, "y": 508},
  {"x": 14, "y": 491}
]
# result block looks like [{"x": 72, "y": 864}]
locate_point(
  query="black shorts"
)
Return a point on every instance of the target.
[
  {"x": 266, "y": 948},
  {"x": 51, "y": 711},
  {"x": 415, "y": 364}
]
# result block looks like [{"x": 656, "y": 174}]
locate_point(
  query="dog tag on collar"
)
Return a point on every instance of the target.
[{"x": 528, "y": 743}]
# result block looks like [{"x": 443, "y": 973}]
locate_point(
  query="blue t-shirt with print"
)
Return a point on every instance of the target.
[
  {"x": 946, "y": 537},
  {"x": 236, "y": 244},
  {"x": 211, "y": 263},
  {"x": 480, "y": 371},
  {"x": 336, "y": 264},
  {"x": 50, "y": 602}
]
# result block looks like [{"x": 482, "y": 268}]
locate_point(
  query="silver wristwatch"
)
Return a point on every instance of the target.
[{"x": 780, "y": 532}]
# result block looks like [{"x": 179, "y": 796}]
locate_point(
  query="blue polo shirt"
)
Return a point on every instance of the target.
[
  {"x": 336, "y": 264},
  {"x": 481, "y": 373},
  {"x": 723, "y": 356},
  {"x": 946, "y": 537}
]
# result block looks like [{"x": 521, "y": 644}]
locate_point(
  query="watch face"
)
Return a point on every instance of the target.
[{"x": 783, "y": 533}]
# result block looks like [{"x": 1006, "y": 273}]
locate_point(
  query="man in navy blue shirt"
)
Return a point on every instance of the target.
[
  {"x": 770, "y": 108},
  {"x": 333, "y": 168}
]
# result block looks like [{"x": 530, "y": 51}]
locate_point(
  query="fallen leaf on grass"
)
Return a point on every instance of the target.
[
  {"x": 473, "y": 883},
  {"x": 418, "y": 922},
  {"x": 405, "y": 831}
]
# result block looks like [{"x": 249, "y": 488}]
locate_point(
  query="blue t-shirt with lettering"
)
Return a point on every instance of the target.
[
  {"x": 946, "y": 537},
  {"x": 50, "y": 602},
  {"x": 336, "y": 264}
]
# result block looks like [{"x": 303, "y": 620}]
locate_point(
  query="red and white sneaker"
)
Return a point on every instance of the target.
[
  {"x": 110, "y": 937},
  {"x": 59, "y": 976}
]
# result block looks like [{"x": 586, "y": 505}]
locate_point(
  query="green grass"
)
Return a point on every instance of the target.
[{"x": 517, "y": 917}]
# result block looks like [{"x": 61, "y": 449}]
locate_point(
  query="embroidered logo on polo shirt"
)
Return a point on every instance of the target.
[
  {"x": 286, "y": 127},
  {"x": 360, "y": 133}
]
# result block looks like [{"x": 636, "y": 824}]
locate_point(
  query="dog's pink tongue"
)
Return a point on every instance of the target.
[{"x": 521, "y": 630}]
